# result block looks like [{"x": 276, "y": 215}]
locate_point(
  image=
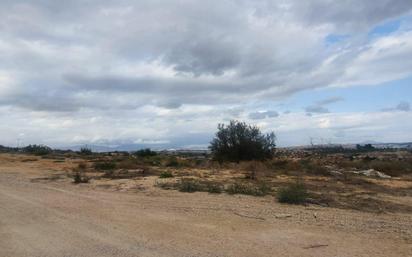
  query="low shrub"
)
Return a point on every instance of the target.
[
  {"x": 253, "y": 169},
  {"x": 104, "y": 165},
  {"x": 85, "y": 151},
  {"x": 214, "y": 188},
  {"x": 392, "y": 168},
  {"x": 293, "y": 194},
  {"x": 172, "y": 162},
  {"x": 314, "y": 168},
  {"x": 260, "y": 189},
  {"x": 128, "y": 163},
  {"x": 167, "y": 185},
  {"x": 145, "y": 153},
  {"x": 189, "y": 186},
  {"x": 37, "y": 149},
  {"x": 79, "y": 174},
  {"x": 166, "y": 174}
]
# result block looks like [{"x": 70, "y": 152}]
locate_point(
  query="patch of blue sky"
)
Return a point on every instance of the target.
[
  {"x": 355, "y": 98},
  {"x": 332, "y": 39},
  {"x": 385, "y": 28}
]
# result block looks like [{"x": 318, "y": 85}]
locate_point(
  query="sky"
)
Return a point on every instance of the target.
[{"x": 166, "y": 73}]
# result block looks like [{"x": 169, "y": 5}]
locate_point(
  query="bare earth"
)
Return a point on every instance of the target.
[{"x": 43, "y": 217}]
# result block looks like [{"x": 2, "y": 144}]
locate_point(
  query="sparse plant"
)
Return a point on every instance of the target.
[
  {"x": 172, "y": 162},
  {"x": 261, "y": 189},
  {"x": 104, "y": 165},
  {"x": 166, "y": 174},
  {"x": 79, "y": 174},
  {"x": 253, "y": 169},
  {"x": 167, "y": 185},
  {"x": 314, "y": 168},
  {"x": 189, "y": 186},
  {"x": 294, "y": 194},
  {"x": 214, "y": 188}
]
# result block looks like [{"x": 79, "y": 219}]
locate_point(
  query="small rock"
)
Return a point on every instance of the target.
[{"x": 283, "y": 215}]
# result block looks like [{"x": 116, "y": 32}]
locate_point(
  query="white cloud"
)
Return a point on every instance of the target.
[
  {"x": 150, "y": 70},
  {"x": 386, "y": 59}
]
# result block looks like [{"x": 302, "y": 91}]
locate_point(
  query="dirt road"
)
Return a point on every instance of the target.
[{"x": 57, "y": 218}]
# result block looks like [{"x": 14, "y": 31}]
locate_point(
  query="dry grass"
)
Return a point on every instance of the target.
[{"x": 192, "y": 174}]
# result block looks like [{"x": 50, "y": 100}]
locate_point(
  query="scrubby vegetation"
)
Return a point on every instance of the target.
[
  {"x": 260, "y": 189},
  {"x": 172, "y": 162},
  {"x": 79, "y": 174},
  {"x": 294, "y": 194},
  {"x": 190, "y": 186},
  {"x": 85, "y": 151},
  {"x": 243, "y": 161},
  {"x": 166, "y": 174},
  {"x": 145, "y": 153},
  {"x": 37, "y": 149},
  {"x": 105, "y": 165}
]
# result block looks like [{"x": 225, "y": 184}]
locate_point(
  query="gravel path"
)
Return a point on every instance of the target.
[{"x": 61, "y": 219}]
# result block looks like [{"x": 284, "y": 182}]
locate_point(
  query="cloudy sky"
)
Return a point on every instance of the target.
[{"x": 112, "y": 72}]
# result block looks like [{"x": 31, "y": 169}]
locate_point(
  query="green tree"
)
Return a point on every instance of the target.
[{"x": 239, "y": 141}]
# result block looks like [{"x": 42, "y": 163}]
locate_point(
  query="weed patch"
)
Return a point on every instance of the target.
[
  {"x": 166, "y": 174},
  {"x": 293, "y": 194},
  {"x": 189, "y": 186},
  {"x": 104, "y": 165},
  {"x": 261, "y": 189},
  {"x": 79, "y": 174}
]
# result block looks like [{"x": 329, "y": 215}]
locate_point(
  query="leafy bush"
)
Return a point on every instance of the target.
[
  {"x": 145, "y": 152},
  {"x": 166, "y": 174},
  {"x": 104, "y": 165},
  {"x": 240, "y": 141},
  {"x": 294, "y": 194},
  {"x": 37, "y": 149}
]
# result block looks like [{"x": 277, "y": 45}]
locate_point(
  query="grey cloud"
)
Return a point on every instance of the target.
[
  {"x": 234, "y": 111},
  {"x": 170, "y": 105},
  {"x": 218, "y": 54},
  {"x": 111, "y": 58},
  {"x": 316, "y": 109},
  {"x": 402, "y": 106},
  {"x": 319, "y": 106},
  {"x": 352, "y": 14},
  {"x": 263, "y": 115},
  {"x": 205, "y": 56},
  {"x": 330, "y": 100}
]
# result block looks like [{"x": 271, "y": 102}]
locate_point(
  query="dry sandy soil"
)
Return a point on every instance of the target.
[{"x": 43, "y": 214}]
